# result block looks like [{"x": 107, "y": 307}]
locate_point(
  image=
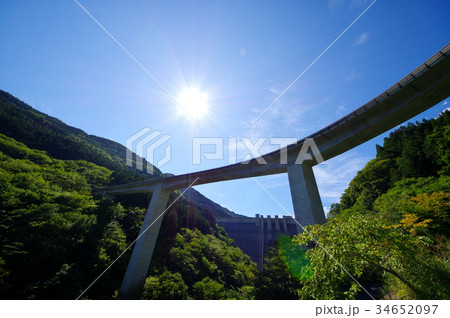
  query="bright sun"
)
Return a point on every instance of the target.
[{"x": 193, "y": 103}]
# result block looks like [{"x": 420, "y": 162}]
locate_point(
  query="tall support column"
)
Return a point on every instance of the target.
[
  {"x": 137, "y": 269},
  {"x": 308, "y": 207}
]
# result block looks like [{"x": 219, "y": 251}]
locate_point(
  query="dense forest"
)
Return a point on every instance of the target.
[
  {"x": 391, "y": 227},
  {"x": 57, "y": 237},
  {"x": 389, "y": 231}
]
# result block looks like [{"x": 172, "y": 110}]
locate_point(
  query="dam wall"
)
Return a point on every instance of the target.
[{"x": 254, "y": 236}]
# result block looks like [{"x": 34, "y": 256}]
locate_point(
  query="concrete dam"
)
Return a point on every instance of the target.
[{"x": 254, "y": 236}]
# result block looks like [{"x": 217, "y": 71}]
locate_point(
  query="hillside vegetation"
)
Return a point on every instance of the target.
[
  {"x": 40, "y": 131},
  {"x": 391, "y": 227},
  {"x": 56, "y": 237},
  {"x": 390, "y": 230}
]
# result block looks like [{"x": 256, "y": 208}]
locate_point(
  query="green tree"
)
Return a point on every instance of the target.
[
  {"x": 369, "y": 183},
  {"x": 208, "y": 288},
  {"x": 283, "y": 269},
  {"x": 168, "y": 286},
  {"x": 363, "y": 244}
]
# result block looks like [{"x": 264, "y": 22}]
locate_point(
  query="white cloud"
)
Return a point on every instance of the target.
[
  {"x": 361, "y": 39},
  {"x": 447, "y": 109},
  {"x": 445, "y": 103},
  {"x": 335, "y": 174},
  {"x": 291, "y": 117},
  {"x": 287, "y": 114},
  {"x": 340, "y": 111},
  {"x": 352, "y": 76},
  {"x": 274, "y": 90}
]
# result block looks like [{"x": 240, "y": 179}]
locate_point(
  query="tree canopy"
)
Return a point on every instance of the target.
[{"x": 390, "y": 230}]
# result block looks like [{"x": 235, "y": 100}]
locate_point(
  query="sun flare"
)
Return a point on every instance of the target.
[{"x": 193, "y": 103}]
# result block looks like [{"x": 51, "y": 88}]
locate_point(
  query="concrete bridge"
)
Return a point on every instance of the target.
[{"x": 423, "y": 88}]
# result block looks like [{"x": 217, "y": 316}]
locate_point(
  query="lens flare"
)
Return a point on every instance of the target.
[{"x": 193, "y": 103}]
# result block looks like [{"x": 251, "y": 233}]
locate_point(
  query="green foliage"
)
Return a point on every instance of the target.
[
  {"x": 412, "y": 151},
  {"x": 285, "y": 267},
  {"x": 168, "y": 286},
  {"x": 368, "y": 184},
  {"x": 208, "y": 288},
  {"x": 42, "y": 224},
  {"x": 39, "y": 131},
  {"x": 437, "y": 143},
  {"x": 56, "y": 237},
  {"x": 361, "y": 244},
  {"x": 404, "y": 197},
  {"x": 391, "y": 227},
  {"x": 209, "y": 264},
  {"x": 49, "y": 216},
  {"x": 54, "y": 234}
]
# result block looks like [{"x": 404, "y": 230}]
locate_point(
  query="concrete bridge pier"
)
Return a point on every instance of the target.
[
  {"x": 308, "y": 208},
  {"x": 137, "y": 269}
]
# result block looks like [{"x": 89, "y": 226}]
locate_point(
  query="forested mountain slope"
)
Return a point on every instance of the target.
[
  {"x": 40, "y": 131},
  {"x": 391, "y": 227},
  {"x": 56, "y": 237}
]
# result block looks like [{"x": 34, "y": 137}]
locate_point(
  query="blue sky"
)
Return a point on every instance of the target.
[{"x": 241, "y": 54}]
